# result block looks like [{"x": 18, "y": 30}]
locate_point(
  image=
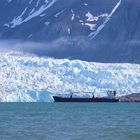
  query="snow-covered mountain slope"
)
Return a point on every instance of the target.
[
  {"x": 55, "y": 18},
  {"x": 111, "y": 27},
  {"x": 30, "y": 78}
]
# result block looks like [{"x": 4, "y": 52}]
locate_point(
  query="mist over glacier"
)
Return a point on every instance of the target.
[{"x": 29, "y": 78}]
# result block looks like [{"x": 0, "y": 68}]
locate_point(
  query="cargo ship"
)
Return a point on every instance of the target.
[{"x": 111, "y": 97}]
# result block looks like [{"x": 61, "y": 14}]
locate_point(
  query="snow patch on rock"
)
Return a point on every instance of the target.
[
  {"x": 95, "y": 33},
  {"x": 34, "y": 13}
]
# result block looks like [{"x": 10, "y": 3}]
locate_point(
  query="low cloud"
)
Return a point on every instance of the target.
[{"x": 60, "y": 48}]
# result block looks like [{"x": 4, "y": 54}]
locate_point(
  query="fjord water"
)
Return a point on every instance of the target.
[{"x": 69, "y": 121}]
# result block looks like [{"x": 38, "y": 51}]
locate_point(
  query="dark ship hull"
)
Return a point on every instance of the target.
[{"x": 63, "y": 99}]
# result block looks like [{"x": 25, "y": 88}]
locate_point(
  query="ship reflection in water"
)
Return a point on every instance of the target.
[{"x": 111, "y": 97}]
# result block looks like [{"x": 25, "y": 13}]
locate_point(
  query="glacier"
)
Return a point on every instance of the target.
[{"x": 29, "y": 78}]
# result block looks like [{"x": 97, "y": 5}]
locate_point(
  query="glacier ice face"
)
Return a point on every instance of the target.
[{"x": 32, "y": 79}]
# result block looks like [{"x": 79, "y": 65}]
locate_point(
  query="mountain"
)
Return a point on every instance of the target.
[{"x": 92, "y": 30}]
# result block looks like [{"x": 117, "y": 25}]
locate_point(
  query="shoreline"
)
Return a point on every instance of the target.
[{"x": 134, "y": 97}]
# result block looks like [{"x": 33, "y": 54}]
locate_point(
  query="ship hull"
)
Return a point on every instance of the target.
[{"x": 62, "y": 99}]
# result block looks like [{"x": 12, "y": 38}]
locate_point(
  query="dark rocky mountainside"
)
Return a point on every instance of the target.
[{"x": 92, "y": 30}]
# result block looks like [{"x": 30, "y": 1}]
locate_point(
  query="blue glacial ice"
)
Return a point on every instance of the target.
[{"x": 26, "y": 78}]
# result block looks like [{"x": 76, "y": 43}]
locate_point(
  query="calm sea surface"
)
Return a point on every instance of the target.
[{"x": 69, "y": 121}]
